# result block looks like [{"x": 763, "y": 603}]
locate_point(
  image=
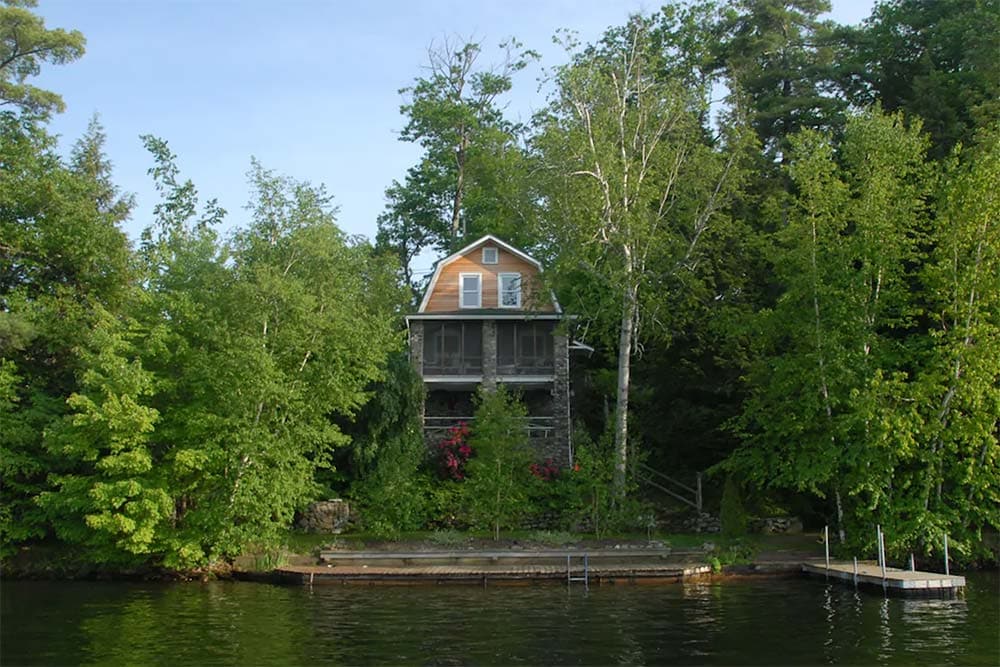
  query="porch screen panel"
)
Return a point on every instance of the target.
[
  {"x": 506, "y": 347},
  {"x": 472, "y": 346},
  {"x": 453, "y": 348},
  {"x": 432, "y": 345},
  {"x": 525, "y": 348}
]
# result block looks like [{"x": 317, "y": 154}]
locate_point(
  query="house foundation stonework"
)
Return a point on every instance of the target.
[{"x": 485, "y": 321}]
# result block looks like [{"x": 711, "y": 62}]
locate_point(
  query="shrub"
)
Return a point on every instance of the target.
[
  {"x": 394, "y": 497},
  {"x": 499, "y": 476},
  {"x": 591, "y": 500},
  {"x": 732, "y": 515},
  {"x": 454, "y": 452},
  {"x": 446, "y": 503}
]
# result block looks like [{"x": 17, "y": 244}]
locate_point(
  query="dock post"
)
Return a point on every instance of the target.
[
  {"x": 878, "y": 544},
  {"x": 912, "y": 566},
  {"x": 881, "y": 549},
  {"x": 826, "y": 544},
  {"x": 855, "y": 571},
  {"x": 946, "y": 568}
]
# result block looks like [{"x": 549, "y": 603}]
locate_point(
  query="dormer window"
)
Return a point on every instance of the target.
[
  {"x": 470, "y": 286},
  {"x": 509, "y": 289},
  {"x": 491, "y": 256}
]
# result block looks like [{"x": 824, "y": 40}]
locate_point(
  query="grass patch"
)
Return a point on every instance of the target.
[
  {"x": 448, "y": 537},
  {"x": 270, "y": 560},
  {"x": 555, "y": 538},
  {"x": 298, "y": 542}
]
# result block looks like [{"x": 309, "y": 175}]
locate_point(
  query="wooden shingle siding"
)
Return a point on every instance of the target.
[{"x": 445, "y": 297}]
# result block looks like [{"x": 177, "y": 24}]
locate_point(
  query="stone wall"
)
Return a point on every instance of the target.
[
  {"x": 560, "y": 401},
  {"x": 489, "y": 355},
  {"x": 776, "y": 524},
  {"x": 325, "y": 516}
]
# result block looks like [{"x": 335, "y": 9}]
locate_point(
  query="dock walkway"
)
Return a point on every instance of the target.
[
  {"x": 325, "y": 574},
  {"x": 902, "y": 582},
  {"x": 508, "y": 556}
]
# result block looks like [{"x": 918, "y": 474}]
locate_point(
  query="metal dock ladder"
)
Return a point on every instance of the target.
[{"x": 586, "y": 572}]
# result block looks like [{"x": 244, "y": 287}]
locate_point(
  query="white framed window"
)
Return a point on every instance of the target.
[
  {"x": 491, "y": 255},
  {"x": 470, "y": 290},
  {"x": 509, "y": 290}
]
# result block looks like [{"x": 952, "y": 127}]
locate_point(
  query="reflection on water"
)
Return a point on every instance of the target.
[{"x": 765, "y": 621}]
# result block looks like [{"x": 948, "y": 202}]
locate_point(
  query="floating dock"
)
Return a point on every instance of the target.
[{"x": 896, "y": 581}]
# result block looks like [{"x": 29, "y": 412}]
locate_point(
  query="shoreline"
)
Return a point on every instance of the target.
[{"x": 776, "y": 558}]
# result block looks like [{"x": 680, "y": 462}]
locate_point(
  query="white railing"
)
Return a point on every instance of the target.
[{"x": 537, "y": 427}]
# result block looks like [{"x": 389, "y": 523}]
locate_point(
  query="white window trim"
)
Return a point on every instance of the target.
[
  {"x": 461, "y": 290},
  {"x": 496, "y": 255},
  {"x": 520, "y": 288}
]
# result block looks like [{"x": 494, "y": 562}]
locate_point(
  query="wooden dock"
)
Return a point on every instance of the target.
[
  {"x": 557, "y": 557},
  {"x": 484, "y": 574},
  {"x": 895, "y": 581}
]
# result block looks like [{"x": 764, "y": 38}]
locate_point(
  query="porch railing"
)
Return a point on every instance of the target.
[
  {"x": 537, "y": 427},
  {"x": 464, "y": 366}
]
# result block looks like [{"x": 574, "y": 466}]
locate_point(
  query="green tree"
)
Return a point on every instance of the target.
[
  {"x": 634, "y": 190},
  {"x": 63, "y": 260},
  {"x": 25, "y": 44},
  {"x": 499, "y": 480},
  {"x": 260, "y": 347},
  {"x": 779, "y": 55},
  {"x": 732, "y": 516},
  {"x": 936, "y": 60},
  {"x": 472, "y": 177},
  {"x": 955, "y": 486},
  {"x": 830, "y": 358},
  {"x": 113, "y": 501}
]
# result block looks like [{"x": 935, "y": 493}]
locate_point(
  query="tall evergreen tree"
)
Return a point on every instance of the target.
[{"x": 936, "y": 60}]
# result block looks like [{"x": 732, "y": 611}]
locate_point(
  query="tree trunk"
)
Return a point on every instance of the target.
[
  {"x": 456, "y": 209},
  {"x": 625, "y": 344},
  {"x": 840, "y": 517}
]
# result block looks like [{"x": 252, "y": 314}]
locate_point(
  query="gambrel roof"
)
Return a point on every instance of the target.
[{"x": 488, "y": 239}]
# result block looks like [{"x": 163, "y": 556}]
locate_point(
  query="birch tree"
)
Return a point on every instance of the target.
[
  {"x": 635, "y": 187},
  {"x": 828, "y": 410},
  {"x": 958, "y": 490}
]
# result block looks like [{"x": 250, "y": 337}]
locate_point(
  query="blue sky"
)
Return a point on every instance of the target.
[{"x": 308, "y": 87}]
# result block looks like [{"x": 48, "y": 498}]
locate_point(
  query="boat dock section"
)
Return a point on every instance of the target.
[
  {"x": 483, "y": 574},
  {"x": 895, "y": 581},
  {"x": 340, "y": 558}
]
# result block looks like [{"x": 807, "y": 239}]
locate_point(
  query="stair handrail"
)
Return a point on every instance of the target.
[{"x": 648, "y": 475}]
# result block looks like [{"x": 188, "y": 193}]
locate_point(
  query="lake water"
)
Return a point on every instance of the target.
[{"x": 752, "y": 621}]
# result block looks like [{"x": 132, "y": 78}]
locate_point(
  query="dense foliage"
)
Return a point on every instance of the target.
[{"x": 796, "y": 286}]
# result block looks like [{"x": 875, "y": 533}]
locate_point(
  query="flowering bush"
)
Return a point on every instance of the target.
[
  {"x": 454, "y": 452},
  {"x": 546, "y": 472}
]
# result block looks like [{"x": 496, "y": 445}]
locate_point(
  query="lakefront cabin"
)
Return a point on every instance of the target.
[{"x": 485, "y": 320}]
